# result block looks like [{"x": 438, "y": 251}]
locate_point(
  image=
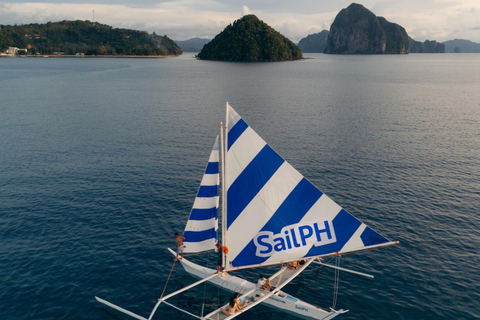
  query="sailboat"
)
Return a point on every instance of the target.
[{"x": 271, "y": 215}]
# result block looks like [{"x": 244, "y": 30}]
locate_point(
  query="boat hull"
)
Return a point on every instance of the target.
[{"x": 281, "y": 301}]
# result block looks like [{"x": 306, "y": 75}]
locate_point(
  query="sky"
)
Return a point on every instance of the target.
[{"x": 439, "y": 20}]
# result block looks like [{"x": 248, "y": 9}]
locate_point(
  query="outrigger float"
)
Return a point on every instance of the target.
[{"x": 271, "y": 215}]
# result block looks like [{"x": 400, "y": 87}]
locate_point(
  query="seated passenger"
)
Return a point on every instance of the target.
[
  {"x": 264, "y": 283},
  {"x": 231, "y": 308},
  {"x": 293, "y": 265},
  {"x": 238, "y": 303}
]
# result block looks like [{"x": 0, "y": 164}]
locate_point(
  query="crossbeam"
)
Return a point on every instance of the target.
[
  {"x": 180, "y": 309},
  {"x": 188, "y": 287},
  {"x": 179, "y": 291},
  {"x": 343, "y": 269},
  {"x": 111, "y": 305}
]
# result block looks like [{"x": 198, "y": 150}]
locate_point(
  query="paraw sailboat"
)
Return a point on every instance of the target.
[{"x": 271, "y": 215}]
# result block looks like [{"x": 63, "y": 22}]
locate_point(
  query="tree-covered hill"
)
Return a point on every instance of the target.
[
  {"x": 72, "y": 37},
  {"x": 250, "y": 39}
]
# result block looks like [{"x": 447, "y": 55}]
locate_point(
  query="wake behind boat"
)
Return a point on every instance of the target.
[{"x": 271, "y": 215}]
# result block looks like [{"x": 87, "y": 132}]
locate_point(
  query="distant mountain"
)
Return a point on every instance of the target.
[
  {"x": 356, "y": 30},
  {"x": 314, "y": 42},
  {"x": 84, "y": 37},
  {"x": 250, "y": 39},
  {"x": 461, "y": 46},
  {"x": 429, "y": 46},
  {"x": 192, "y": 45}
]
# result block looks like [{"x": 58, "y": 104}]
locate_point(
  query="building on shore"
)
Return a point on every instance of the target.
[{"x": 13, "y": 51}]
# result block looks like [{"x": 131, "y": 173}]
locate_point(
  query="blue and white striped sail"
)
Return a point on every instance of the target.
[
  {"x": 201, "y": 231},
  {"x": 274, "y": 214}
]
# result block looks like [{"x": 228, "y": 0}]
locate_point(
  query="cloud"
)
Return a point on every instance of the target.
[
  {"x": 184, "y": 19},
  {"x": 245, "y": 11}
]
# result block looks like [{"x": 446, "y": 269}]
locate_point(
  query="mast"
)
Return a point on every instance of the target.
[
  {"x": 222, "y": 177},
  {"x": 224, "y": 144}
]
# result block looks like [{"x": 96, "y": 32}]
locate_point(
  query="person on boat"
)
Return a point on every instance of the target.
[
  {"x": 218, "y": 247},
  {"x": 238, "y": 303},
  {"x": 264, "y": 283},
  {"x": 293, "y": 265},
  {"x": 180, "y": 246},
  {"x": 231, "y": 308}
]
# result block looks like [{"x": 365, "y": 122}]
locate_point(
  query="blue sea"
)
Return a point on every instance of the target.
[{"x": 100, "y": 161}]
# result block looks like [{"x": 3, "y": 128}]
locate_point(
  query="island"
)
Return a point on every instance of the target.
[
  {"x": 461, "y": 46},
  {"x": 249, "y": 39},
  {"x": 428, "y": 46},
  {"x": 83, "y": 38},
  {"x": 356, "y": 30},
  {"x": 314, "y": 43},
  {"x": 192, "y": 45}
]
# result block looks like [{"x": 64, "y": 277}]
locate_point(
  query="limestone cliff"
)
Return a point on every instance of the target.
[
  {"x": 356, "y": 30},
  {"x": 397, "y": 38}
]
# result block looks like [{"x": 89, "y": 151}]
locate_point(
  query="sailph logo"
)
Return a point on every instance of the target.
[{"x": 317, "y": 233}]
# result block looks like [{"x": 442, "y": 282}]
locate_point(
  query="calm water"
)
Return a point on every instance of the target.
[{"x": 100, "y": 160}]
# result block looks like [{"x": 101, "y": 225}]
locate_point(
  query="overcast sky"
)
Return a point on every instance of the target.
[{"x": 439, "y": 20}]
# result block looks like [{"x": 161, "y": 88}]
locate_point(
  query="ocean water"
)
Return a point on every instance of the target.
[{"x": 100, "y": 160}]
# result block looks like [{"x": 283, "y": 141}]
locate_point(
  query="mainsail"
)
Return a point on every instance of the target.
[
  {"x": 274, "y": 214},
  {"x": 201, "y": 231}
]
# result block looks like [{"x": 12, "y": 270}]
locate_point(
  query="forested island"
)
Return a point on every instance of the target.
[
  {"x": 250, "y": 39},
  {"x": 84, "y": 38}
]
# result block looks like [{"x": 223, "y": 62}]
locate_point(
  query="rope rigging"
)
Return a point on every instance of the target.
[
  {"x": 336, "y": 282},
  {"x": 168, "y": 279},
  {"x": 205, "y": 285}
]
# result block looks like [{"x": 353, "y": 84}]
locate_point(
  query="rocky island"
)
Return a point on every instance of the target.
[
  {"x": 356, "y": 30},
  {"x": 429, "y": 46},
  {"x": 250, "y": 39}
]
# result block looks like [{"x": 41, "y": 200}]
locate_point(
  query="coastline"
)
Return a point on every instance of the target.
[{"x": 98, "y": 56}]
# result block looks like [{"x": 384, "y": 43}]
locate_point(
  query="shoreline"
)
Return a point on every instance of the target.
[{"x": 91, "y": 56}]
